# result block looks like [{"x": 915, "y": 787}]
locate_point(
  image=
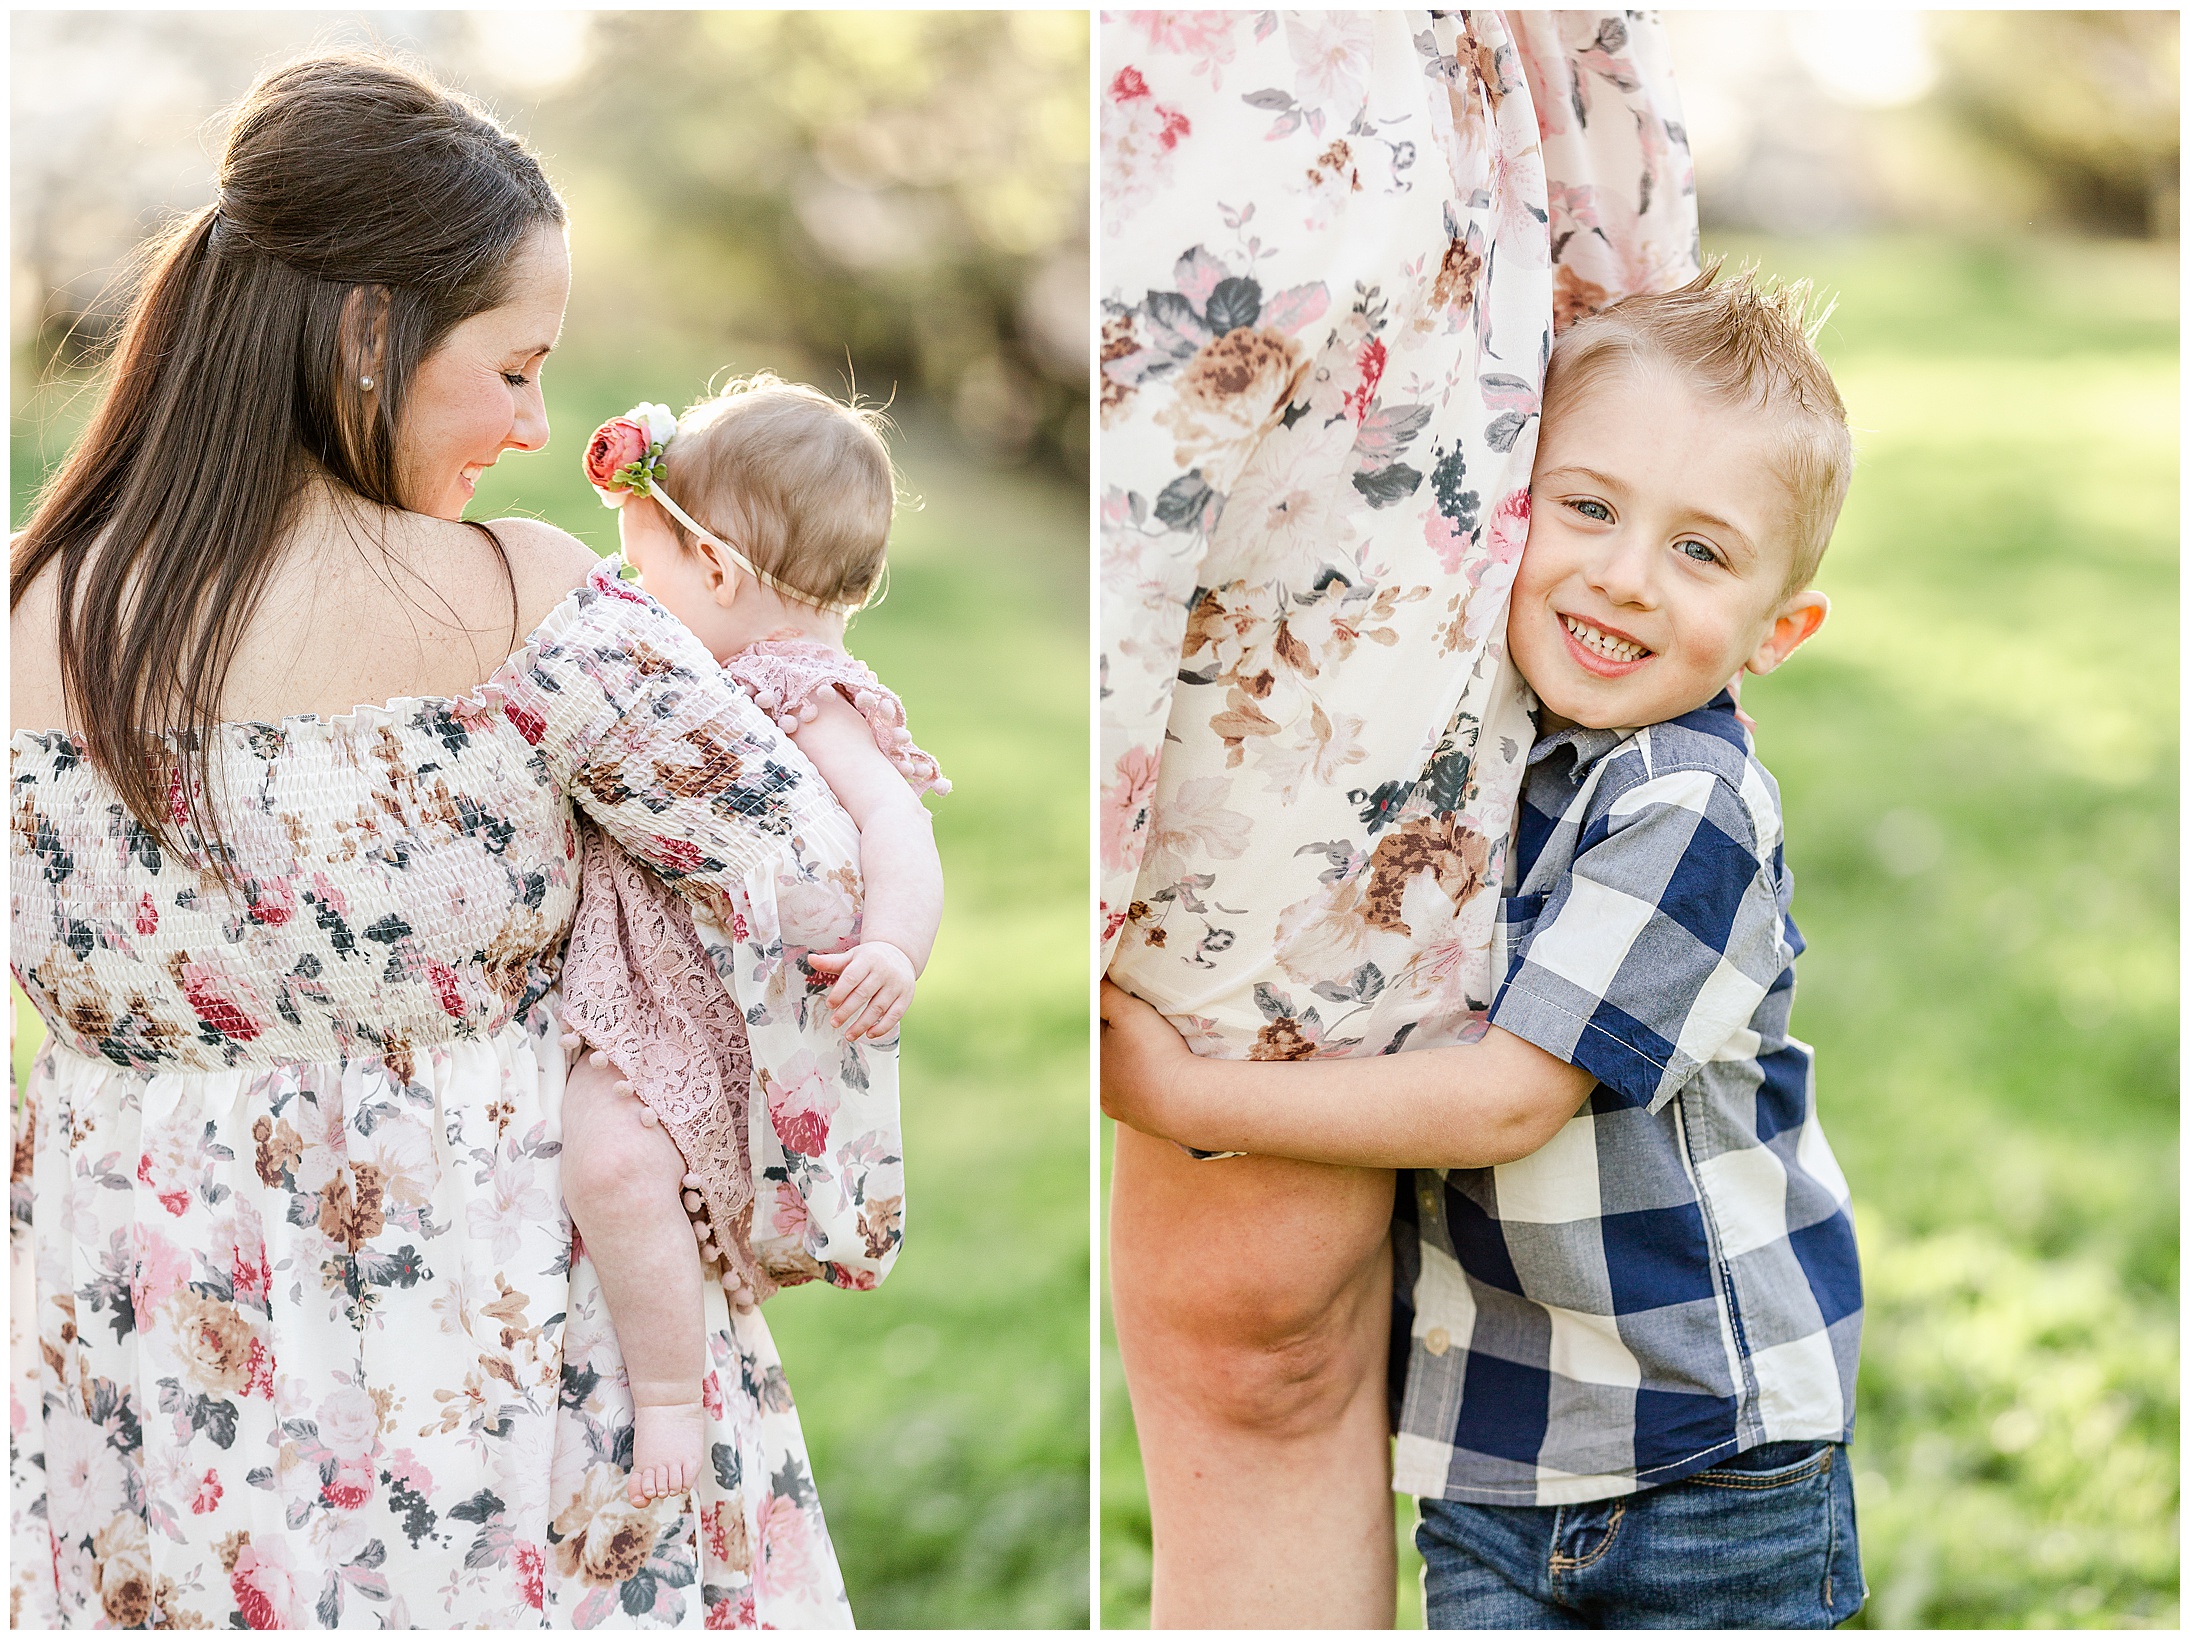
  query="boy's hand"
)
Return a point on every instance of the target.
[
  {"x": 1141, "y": 1058},
  {"x": 874, "y": 987}
]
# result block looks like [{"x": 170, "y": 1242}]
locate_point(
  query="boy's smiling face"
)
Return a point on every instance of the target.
[{"x": 1660, "y": 543}]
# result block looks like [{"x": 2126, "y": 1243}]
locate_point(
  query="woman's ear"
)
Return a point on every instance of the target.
[
  {"x": 1795, "y": 625},
  {"x": 365, "y": 335}
]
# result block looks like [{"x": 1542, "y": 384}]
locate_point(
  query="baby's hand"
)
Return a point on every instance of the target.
[{"x": 874, "y": 987}]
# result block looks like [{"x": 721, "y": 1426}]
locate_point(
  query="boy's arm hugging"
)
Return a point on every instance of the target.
[
  {"x": 1488, "y": 1102},
  {"x": 1633, "y": 966}
]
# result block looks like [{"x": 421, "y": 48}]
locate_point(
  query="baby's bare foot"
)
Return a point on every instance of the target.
[{"x": 665, "y": 1449}]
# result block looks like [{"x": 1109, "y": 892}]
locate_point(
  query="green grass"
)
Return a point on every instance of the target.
[
  {"x": 1978, "y": 758},
  {"x": 946, "y": 1411}
]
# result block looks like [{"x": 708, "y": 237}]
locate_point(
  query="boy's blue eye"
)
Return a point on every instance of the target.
[
  {"x": 1697, "y": 550},
  {"x": 1592, "y": 509}
]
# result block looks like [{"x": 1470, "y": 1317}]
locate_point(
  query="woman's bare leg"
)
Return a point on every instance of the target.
[
  {"x": 1253, "y": 1306},
  {"x": 622, "y": 1180}
]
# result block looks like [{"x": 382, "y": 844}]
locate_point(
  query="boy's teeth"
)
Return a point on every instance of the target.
[{"x": 1603, "y": 643}]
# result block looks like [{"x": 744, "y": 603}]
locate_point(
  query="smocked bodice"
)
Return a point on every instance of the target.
[
  {"x": 405, "y": 873},
  {"x": 406, "y": 879}
]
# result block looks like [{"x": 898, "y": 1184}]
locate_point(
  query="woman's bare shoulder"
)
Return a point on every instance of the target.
[
  {"x": 546, "y": 563},
  {"x": 34, "y": 658}
]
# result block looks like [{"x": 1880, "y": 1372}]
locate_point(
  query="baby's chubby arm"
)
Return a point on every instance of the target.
[
  {"x": 898, "y": 863},
  {"x": 1472, "y": 1106}
]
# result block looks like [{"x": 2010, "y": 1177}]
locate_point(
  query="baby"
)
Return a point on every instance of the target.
[{"x": 759, "y": 519}]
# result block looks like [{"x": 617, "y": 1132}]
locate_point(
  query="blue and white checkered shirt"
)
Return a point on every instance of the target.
[{"x": 1672, "y": 1279}]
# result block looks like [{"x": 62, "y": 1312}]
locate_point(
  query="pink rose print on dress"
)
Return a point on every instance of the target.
[
  {"x": 1203, "y": 36},
  {"x": 447, "y": 989},
  {"x": 352, "y": 1486},
  {"x": 250, "y": 1273},
  {"x": 1124, "y": 801},
  {"x": 674, "y": 855},
  {"x": 162, "y": 1267},
  {"x": 1370, "y": 362},
  {"x": 1492, "y": 574},
  {"x": 1509, "y": 528},
  {"x": 531, "y": 1568},
  {"x": 273, "y": 900},
  {"x": 526, "y": 722},
  {"x": 267, "y": 1588},
  {"x": 219, "y": 998},
  {"x": 790, "y": 1212},
  {"x": 1139, "y": 135},
  {"x": 800, "y": 1103},
  {"x": 736, "y": 1612},
  {"x": 783, "y": 1543}
]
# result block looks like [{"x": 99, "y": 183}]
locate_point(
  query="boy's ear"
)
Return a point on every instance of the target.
[{"x": 1795, "y": 625}]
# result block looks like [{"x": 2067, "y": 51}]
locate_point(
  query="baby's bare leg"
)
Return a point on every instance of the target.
[{"x": 621, "y": 1179}]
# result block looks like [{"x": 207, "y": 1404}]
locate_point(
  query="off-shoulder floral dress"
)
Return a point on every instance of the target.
[{"x": 299, "y": 1332}]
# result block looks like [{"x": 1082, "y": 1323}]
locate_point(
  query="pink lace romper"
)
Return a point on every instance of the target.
[{"x": 638, "y": 982}]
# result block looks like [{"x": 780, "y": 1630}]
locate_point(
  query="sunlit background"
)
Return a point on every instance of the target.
[
  {"x": 1979, "y": 762},
  {"x": 895, "y": 201}
]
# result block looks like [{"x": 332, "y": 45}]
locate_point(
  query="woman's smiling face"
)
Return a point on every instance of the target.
[
  {"x": 1660, "y": 544},
  {"x": 478, "y": 393}
]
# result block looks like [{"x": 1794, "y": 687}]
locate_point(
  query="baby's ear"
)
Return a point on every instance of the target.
[
  {"x": 723, "y": 578},
  {"x": 1794, "y": 625}
]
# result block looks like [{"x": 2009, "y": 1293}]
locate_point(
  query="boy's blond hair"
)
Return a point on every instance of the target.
[
  {"x": 799, "y": 482},
  {"x": 1746, "y": 342}
]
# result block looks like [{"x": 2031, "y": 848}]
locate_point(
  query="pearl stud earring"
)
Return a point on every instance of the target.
[{"x": 365, "y": 382}]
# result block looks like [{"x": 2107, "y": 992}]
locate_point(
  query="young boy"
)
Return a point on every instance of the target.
[{"x": 1631, "y": 1351}]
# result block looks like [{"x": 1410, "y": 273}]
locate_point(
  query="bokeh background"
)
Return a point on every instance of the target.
[
  {"x": 1979, "y": 762},
  {"x": 896, "y": 200}
]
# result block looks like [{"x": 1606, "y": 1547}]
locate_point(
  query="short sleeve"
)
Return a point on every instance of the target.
[
  {"x": 632, "y": 717},
  {"x": 1651, "y": 955}
]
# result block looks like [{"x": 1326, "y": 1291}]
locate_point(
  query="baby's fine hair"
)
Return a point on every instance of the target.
[
  {"x": 799, "y": 482},
  {"x": 1745, "y": 342}
]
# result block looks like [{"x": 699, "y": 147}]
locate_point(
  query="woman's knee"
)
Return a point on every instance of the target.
[
  {"x": 1298, "y": 1384},
  {"x": 1257, "y": 1354}
]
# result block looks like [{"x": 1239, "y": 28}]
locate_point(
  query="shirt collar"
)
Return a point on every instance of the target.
[{"x": 1591, "y": 746}]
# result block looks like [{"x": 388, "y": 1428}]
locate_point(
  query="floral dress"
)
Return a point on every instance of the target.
[
  {"x": 299, "y": 1332},
  {"x": 1335, "y": 249}
]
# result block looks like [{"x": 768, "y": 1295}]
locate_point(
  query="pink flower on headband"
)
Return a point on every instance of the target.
[{"x": 624, "y": 455}]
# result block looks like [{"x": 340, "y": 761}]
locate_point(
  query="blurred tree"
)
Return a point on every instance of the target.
[
  {"x": 2088, "y": 100},
  {"x": 903, "y": 189},
  {"x": 900, "y": 197}
]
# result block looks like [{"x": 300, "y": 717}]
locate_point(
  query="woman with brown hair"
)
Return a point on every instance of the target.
[{"x": 300, "y": 1332}]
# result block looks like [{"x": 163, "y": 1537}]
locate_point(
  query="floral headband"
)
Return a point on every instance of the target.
[{"x": 624, "y": 459}]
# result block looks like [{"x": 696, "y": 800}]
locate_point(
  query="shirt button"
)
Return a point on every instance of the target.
[{"x": 1437, "y": 1341}]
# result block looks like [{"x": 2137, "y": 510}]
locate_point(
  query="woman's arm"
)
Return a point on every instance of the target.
[{"x": 1475, "y": 1106}]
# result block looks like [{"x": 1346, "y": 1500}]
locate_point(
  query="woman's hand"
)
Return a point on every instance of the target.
[{"x": 1142, "y": 1059}]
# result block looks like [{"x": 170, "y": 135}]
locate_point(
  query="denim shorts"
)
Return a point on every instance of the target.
[{"x": 1764, "y": 1541}]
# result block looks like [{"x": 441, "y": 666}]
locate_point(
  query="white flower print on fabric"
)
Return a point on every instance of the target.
[{"x": 1335, "y": 248}]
